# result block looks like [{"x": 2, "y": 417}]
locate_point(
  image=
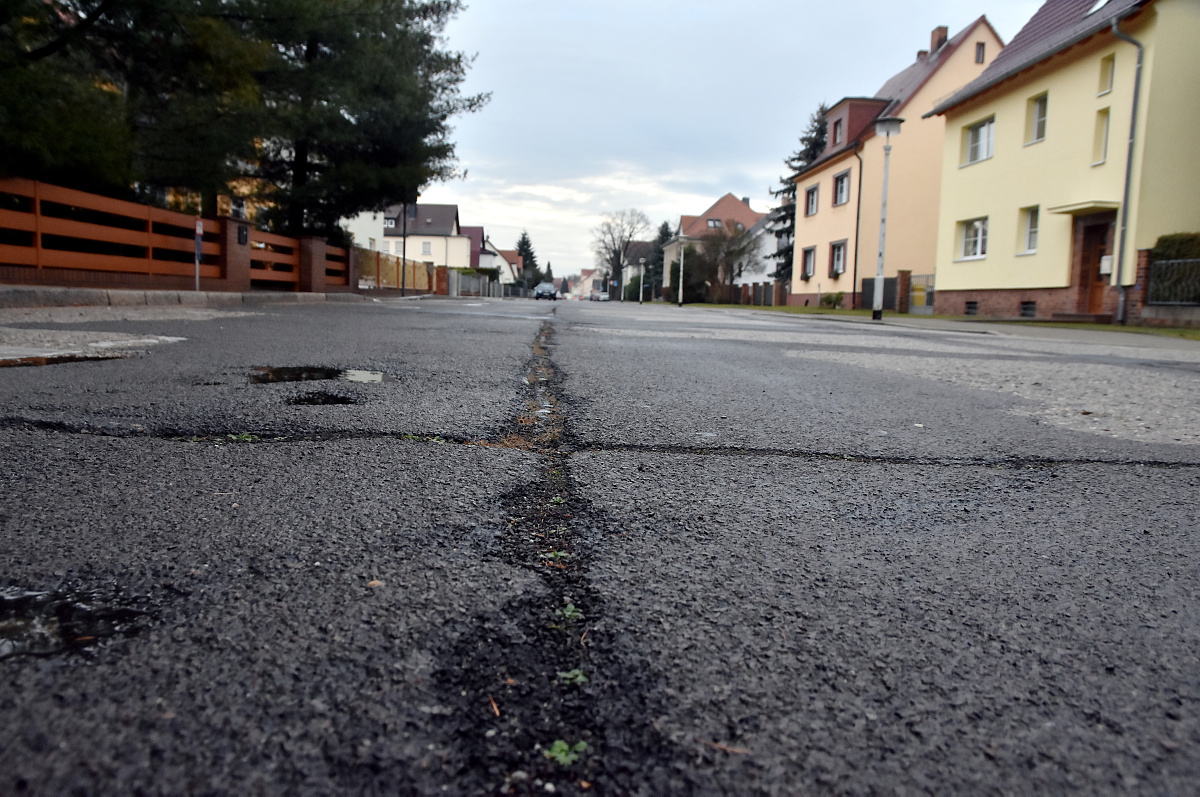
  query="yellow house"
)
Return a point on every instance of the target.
[
  {"x": 838, "y": 197},
  {"x": 1074, "y": 150}
]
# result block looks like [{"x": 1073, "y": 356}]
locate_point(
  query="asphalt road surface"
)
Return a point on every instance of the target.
[{"x": 481, "y": 547}]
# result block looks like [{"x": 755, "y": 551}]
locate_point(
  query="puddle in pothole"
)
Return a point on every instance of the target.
[
  {"x": 265, "y": 375},
  {"x": 320, "y": 398},
  {"x": 43, "y": 623}
]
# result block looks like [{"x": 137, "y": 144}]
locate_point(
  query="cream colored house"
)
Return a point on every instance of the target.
[
  {"x": 433, "y": 235},
  {"x": 1043, "y": 208},
  {"x": 838, "y": 197}
]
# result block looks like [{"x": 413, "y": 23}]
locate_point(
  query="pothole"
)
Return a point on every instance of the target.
[
  {"x": 45, "y": 623},
  {"x": 320, "y": 398},
  {"x": 308, "y": 373}
]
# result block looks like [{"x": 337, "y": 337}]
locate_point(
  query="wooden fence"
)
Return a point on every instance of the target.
[
  {"x": 377, "y": 270},
  {"x": 52, "y": 235}
]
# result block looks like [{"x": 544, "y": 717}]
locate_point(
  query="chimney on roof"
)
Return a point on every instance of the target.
[
  {"x": 938, "y": 38},
  {"x": 922, "y": 55},
  {"x": 746, "y": 200}
]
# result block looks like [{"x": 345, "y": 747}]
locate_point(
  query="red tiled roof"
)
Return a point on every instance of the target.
[{"x": 727, "y": 208}]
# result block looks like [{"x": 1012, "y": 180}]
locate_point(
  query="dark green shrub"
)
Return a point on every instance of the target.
[
  {"x": 833, "y": 300},
  {"x": 1177, "y": 246}
]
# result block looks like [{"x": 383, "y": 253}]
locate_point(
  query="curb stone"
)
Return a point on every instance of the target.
[{"x": 43, "y": 296}]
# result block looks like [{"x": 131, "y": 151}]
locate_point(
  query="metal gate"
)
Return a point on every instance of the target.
[{"x": 920, "y": 294}]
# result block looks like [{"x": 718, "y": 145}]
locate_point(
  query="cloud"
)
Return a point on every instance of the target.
[{"x": 599, "y": 105}]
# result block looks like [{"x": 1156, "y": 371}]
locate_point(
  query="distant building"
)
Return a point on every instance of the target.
[
  {"x": 433, "y": 235},
  {"x": 691, "y": 230}
]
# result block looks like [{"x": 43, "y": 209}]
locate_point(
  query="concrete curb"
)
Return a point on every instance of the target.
[{"x": 42, "y": 296}]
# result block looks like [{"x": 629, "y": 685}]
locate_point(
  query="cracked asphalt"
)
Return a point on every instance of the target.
[{"x": 596, "y": 549}]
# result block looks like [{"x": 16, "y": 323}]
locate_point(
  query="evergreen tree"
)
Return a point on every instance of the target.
[
  {"x": 356, "y": 106},
  {"x": 654, "y": 265},
  {"x": 531, "y": 275},
  {"x": 330, "y": 108},
  {"x": 549, "y": 275},
  {"x": 783, "y": 218}
]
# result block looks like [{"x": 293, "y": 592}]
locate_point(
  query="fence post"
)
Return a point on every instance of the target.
[
  {"x": 312, "y": 265},
  {"x": 235, "y": 254},
  {"x": 903, "y": 289}
]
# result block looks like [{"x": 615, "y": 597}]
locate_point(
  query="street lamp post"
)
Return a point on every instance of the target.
[
  {"x": 682, "y": 252},
  {"x": 884, "y": 126},
  {"x": 641, "y": 278}
]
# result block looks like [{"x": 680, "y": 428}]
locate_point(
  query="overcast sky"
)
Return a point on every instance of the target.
[{"x": 662, "y": 105}]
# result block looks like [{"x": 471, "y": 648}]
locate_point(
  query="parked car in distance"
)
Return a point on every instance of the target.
[
  {"x": 602, "y": 297},
  {"x": 545, "y": 290}
]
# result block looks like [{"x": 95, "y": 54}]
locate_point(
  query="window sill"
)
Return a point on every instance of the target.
[
  {"x": 1027, "y": 253},
  {"x": 1035, "y": 141},
  {"x": 972, "y": 163},
  {"x": 1106, "y": 91},
  {"x": 841, "y": 204},
  {"x": 970, "y": 259},
  {"x": 1100, "y": 163}
]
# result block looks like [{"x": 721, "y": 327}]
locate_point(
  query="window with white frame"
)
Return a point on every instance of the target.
[
  {"x": 1107, "y": 66},
  {"x": 837, "y": 131},
  {"x": 427, "y": 247},
  {"x": 810, "y": 201},
  {"x": 810, "y": 263},
  {"x": 389, "y": 224},
  {"x": 980, "y": 141},
  {"x": 1035, "y": 125},
  {"x": 714, "y": 224},
  {"x": 841, "y": 188},
  {"x": 974, "y": 233},
  {"x": 980, "y": 52},
  {"x": 837, "y": 258},
  {"x": 1100, "y": 141},
  {"x": 1029, "y": 230}
]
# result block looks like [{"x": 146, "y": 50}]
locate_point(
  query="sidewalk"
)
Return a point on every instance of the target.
[
  {"x": 49, "y": 296},
  {"x": 1118, "y": 336}
]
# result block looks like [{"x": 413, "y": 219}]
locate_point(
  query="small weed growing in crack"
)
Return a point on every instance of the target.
[
  {"x": 575, "y": 677},
  {"x": 564, "y": 754},
  {"x": 569, "y": 612},
  {"x": 556, "y": 555},
  {"x": 420, "y": 438},
  {"x": 558, "y": 500},
  {"x": 244, "y": 437}
]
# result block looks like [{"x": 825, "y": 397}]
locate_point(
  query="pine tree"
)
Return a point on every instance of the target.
[
  {"x": 330, "y": 108},
  {"x": 654, "y": 266},
  {"x": 356, "y": 106},
  {"x": 783, "y": 218},
  {"x": 531, "y": 275}
]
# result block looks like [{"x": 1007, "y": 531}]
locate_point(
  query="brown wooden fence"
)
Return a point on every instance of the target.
[{"x": 52, "y": 235}]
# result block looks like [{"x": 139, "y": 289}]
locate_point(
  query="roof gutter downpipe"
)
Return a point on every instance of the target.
[
  {"x": 857, "y": 224},
  {"x": 1133, "y": 122}
]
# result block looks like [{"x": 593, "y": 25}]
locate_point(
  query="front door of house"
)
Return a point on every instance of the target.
[{"x": 1094, "y": 283}]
